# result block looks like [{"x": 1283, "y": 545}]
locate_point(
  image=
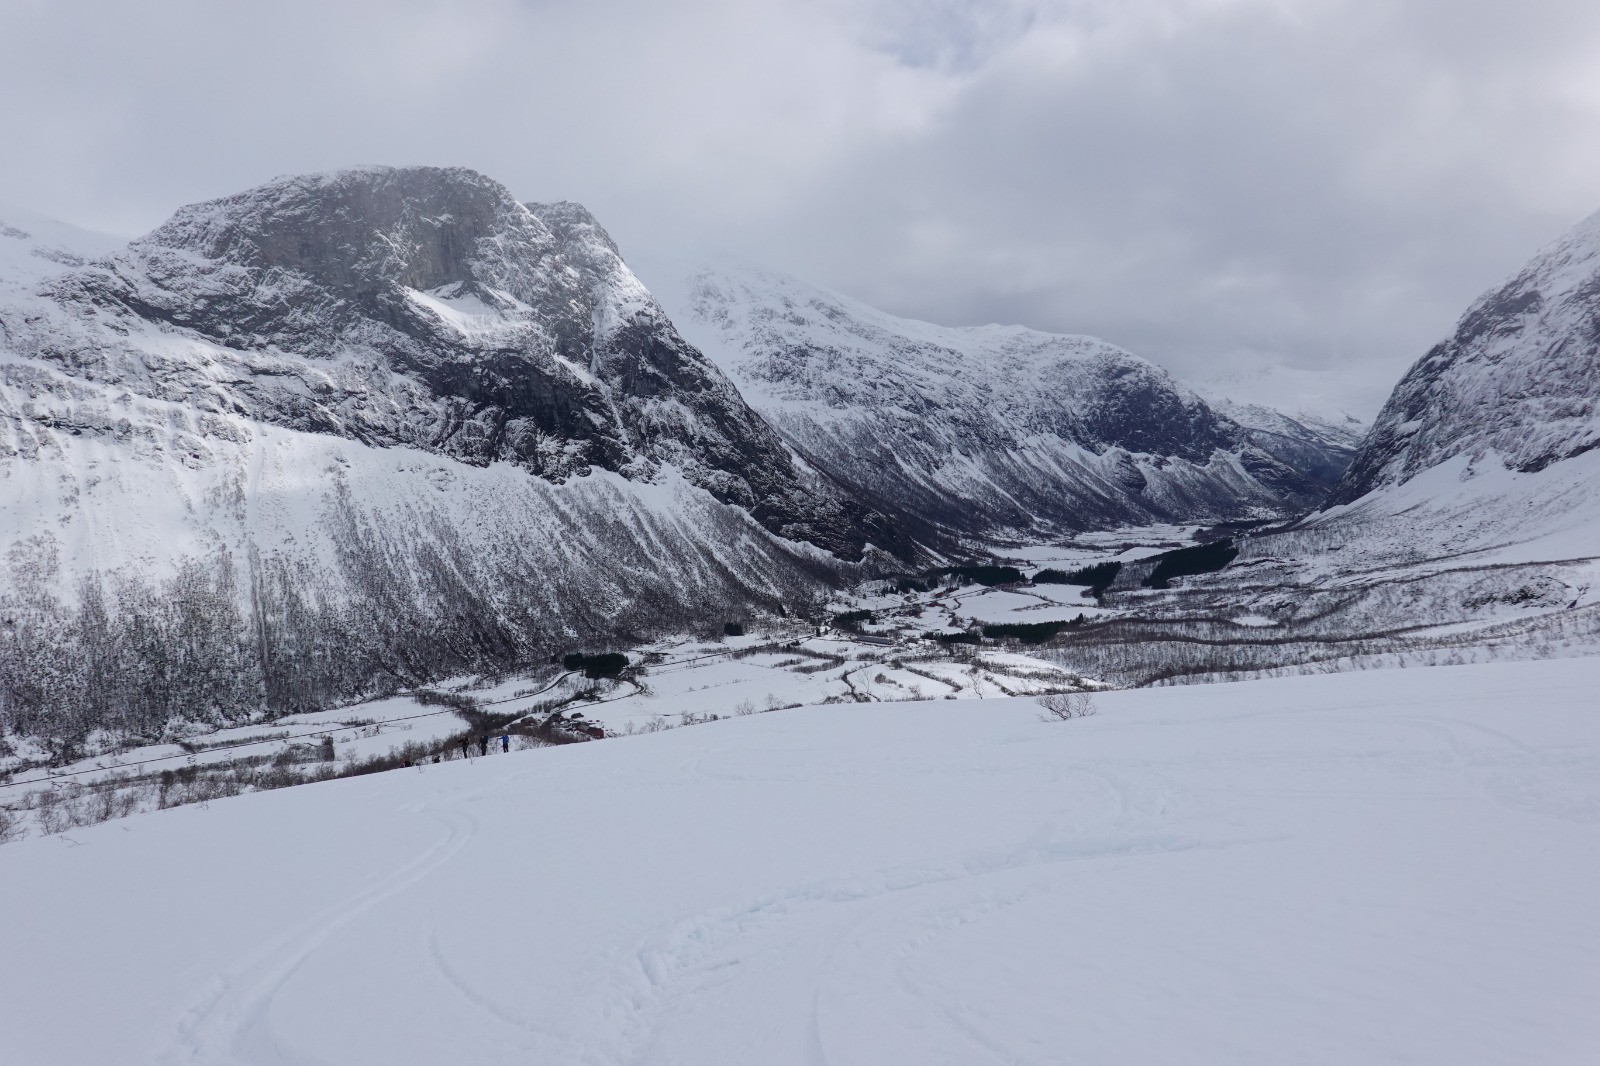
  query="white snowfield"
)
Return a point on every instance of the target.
[{"x": 1386, "y": 867}]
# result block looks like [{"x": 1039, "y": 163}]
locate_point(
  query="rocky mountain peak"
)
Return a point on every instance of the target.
[
  {"x": 427, "y": 307},
  {"x": 417, "y": 226},
  {"x": 574, "y": 225}
]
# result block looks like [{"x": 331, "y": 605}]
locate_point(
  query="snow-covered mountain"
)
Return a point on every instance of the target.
[
  {"x": 378, "y": 424},
  {"x": 993, "y": 430},
  {"x": 1318, "y": 446},
  {"x": 1517, "y": 385},
  {"x": 1469, "y": 522},
  {"x": 365, "y": 428},
  {"x": 425, "y": 307}
]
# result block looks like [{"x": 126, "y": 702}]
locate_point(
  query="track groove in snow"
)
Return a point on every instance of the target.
[
  {"x": 1376, "y": 868},
  {"x": 231, "y": 1021}
]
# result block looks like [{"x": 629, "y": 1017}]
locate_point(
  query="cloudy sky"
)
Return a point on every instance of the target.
[{"x": 1221, "y": 185}]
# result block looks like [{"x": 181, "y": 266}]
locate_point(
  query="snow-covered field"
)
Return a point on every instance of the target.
[
  {"x": 1383, "y": 867},
  {"x": 690, "y": 681},
  {"x": 673, "y": 682},
  {"x": 358, "y": 732}
]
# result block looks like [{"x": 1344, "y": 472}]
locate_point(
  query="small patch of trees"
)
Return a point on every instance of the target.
[
  {"x": 1098, "y": 577},
  {"x": 851, "y": 620},
  {"x": 1028, "y": 632},
  {"x": 605, "y": 664},
  {"x": 1182, "y": 562},
  {"x": 990, "y": 574}
]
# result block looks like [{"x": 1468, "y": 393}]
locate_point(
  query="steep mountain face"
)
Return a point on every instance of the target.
[
  {"x": 1519, "y": 379},
  {"x": 428, "y": 308},
  {"x": 995, "y": 430},
  {"x": 360, "y": 430},
  {"x": 1468, "y": 525}
]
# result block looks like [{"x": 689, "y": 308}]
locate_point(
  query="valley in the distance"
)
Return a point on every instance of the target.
[{"x": 421, "y": 641}]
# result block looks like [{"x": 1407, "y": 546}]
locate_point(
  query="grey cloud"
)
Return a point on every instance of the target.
[
  {"x": 949, "y": 35},
  {"x": 1212, "y": 183}
]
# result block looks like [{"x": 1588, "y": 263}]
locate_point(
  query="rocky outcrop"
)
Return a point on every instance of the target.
[{"x": 1519, "y": 378}]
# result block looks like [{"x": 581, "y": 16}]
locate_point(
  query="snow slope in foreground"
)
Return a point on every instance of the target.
[{"x": 1359, "y": 868}]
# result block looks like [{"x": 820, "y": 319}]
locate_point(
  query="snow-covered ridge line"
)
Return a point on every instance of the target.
[
  {"x": 992, "y": 431},
  {"x": 1520, "y": 377},
  {"x": 424, "y": 307}
]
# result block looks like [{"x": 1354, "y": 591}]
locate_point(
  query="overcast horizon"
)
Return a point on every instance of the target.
[{"x": 1218, "y": 185}]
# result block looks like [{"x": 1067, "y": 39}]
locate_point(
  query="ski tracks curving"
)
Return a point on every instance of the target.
[{"x": 230, "y": 1021}]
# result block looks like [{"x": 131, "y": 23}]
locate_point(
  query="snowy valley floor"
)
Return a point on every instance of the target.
[{"x": 1381, "y": 867}]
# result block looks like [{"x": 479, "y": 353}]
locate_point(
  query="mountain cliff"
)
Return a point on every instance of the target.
[
  {"x": 426, "y": 307},
  {"x": 359, "y": 430},
  {"x": 1519, "y": 378},
  {"x": 993, "y": 431}
]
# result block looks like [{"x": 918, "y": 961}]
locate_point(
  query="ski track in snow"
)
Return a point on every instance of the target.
[
  {"x": 474, "y": 996},
  {"x": 1383, "y": 868},
  {"x": 677, "y": 962},
  {"x": 231, "y": 1021}
]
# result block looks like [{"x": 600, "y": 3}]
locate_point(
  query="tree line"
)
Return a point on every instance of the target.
[{"x": 223, "y": 638}]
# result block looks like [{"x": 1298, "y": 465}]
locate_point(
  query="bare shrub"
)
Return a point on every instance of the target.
[
  {"x": 101, "y": 806},
  {"x": 1064, "y": 706},
  {"x": 10, "y": 826},
  {"x": 53, "y": 814}
]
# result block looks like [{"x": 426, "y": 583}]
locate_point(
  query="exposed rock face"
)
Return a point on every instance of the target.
[
  {"x": 359, "y": 431},
  {"x": 990, "y": 431},
  {"x": 427, "y": 307},
  {"x": 1520, "y": 378}
]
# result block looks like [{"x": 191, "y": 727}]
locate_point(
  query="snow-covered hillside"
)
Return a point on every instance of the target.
[
  {"x": 1468, "y": 523},
  {"x": 1391, "y": 867},
  {"x": 993, "y": 430},
  {"x": 349, "y": 431},
  {"x": 33, "y": 248},
  {"x": 422, "y": 307},
  {"x": 1518, "y": 383},
  {"x": 1477, "y": 490}
]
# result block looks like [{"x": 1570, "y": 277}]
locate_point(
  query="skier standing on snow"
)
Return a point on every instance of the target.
[
  {"x": 483, "y": 744},
  {"x": 505, "y": 742}
]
